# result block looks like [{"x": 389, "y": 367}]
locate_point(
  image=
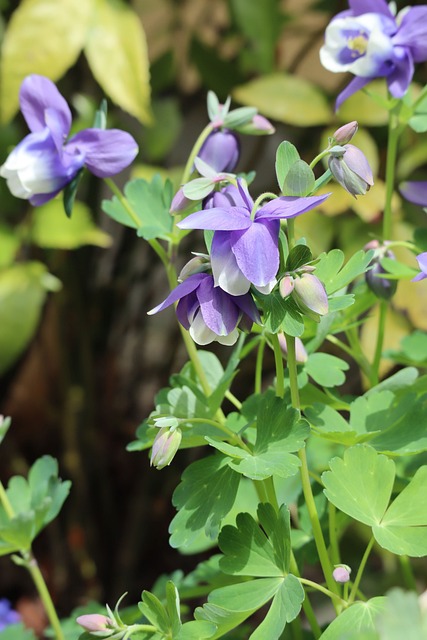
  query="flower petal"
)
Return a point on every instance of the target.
[
  {"x": 288, "y": 207},
  {"x": 412, "y": 33},
  {"x": 225, "y": 270},
  {"x": 106, "y": 152},
  {"x": 256, "y": 251},
  {"x": 247, "y": 305},
  {"x": 37, "y": 94},
  {"x": 353, "y": 86},
  {"x": 415, "y": 192},
  {"x": 399, "y": 80},
  {"x": 217, "y": 308},
  {"x": 359, "y": 7},
  {"x": 220, "y": 219},
  {"x": 200, "y": 332},
  {"x": 180, "y": 291}
]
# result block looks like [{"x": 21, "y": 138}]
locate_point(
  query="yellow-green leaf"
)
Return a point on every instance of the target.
[
  {"x": 117, "y": 54},
  {"x": 45, "y": 37},
  {"x": 286, "y": 98},
  {"x": 51, "y": 229}
]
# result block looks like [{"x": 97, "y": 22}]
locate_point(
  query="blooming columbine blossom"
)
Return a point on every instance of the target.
[
  {"x": 422, "y": 263},
  {"x": 44, "y": 162},
  {"x": 208, "y": 312},
  {"x": 245, "y": 247},
  {"x": 415, "y": 192},
  {"x": 370, "y": 42},
  {"x": 7, "y": 614}
]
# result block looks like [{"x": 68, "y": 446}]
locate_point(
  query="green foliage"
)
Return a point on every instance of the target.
[
  {"x": 150, "y": 201},
  {"x": 35, "y": 502},
  {"x": 279, "y": 431},
  {"x": 23, "y": 289},
  {"x": 361, "y": 483},
  {"x": 299, "y": 180},
  {"x": 326, "y": 370},
  {"x": 286, "y": 98},
  {"x": 356, "y": 622},
  {"x": 286, "y": 156},
  {"x": 17, "y": 632},
  {"x": 205, "y": 495},
  {"x": 334, "y": 275}
]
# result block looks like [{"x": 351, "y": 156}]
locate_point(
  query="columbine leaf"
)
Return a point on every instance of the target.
[
  {"x": 246, "y": 596},
  {"x": 298, "y": 257},
  {"x": 116, "y": 51},
  {"x": 356, "y": 620},
  {"x": 286, "y": 155},
  {"x": 150, "y": 201},
  {"x": 151, "y": 607},
  {"x": 285, "y": 607},
  {"x": 206, "y": 494},
  {"x": 402, "y": 617},
  {"x": 299, "y": 180},
  {"x": 326, "y": 369},
  {"x": 329, "y": 271},
  {"x": 196, "y": 630},
  {"x": 360, "y": 483}
]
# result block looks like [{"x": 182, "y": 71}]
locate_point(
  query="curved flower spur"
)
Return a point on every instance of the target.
[{"x": 44, "y": 162}]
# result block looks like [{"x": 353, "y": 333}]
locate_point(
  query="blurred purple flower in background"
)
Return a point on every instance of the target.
[
  {"x": 209, "y": 313},
  {"x": 44, "y": 162},
  {"x": 415, "y": 192},
  {"x": 370, "y": 42},
  {"x": 245, "y": 247},
  {"x": 7, "y": 615},
  {"x": 422, "y": 263}
]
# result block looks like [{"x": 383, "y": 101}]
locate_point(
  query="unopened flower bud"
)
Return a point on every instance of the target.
[
  {"x": 422, "y": 263},
  {"x": 341, "y": 573},
  {"x": 166, "y": 421},
  {"x": 351, "y": 169},
  {"x": 165, "y": 446},
  {"x": 95, "y": 622},
  {"x": 258, "y": 126},
  {"x": 198, "y": 264},
  {"x": 221, "y": 150},
  {"x": 301, "y": 355},
  {"x": 383, "y": 288},
  {"x": 286, "y": 286},
  {"x": 344, "y": 134},
  {"x": 180, "y": 202},
  {"x": 310, "y": 295}
]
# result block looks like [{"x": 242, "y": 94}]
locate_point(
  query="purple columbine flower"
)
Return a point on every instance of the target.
[
  {"x": 422, "y": 263},
  {"x": 245, "y": 246},
  {"x": 221, "y": 150},
  {"x": 370, "y": 42},
  {"x": 415, "y": 192},
  {"x": 44, "y": 162},
  {"x": 7, "y": 615},
  {"x": 351, "y": 169},
  {"x": 208, "y": 312}
]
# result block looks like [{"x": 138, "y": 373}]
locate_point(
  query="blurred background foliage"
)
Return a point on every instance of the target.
[{"x": 80, "y": 361}]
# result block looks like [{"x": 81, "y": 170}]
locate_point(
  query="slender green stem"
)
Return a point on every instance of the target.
[
  {"x": 263, "y": 196},
  {"x": 222, "y": 427},
  {"x": 305, "y": 477},
  {"x": 290, "y": 224},
  {"x": 319, "y": 157},
  {"x": 335, "y": 551},
  {"x": 306, "y": 605},
  {"x": 31, "y": 564},
  {"x": 361, "y": 570},
  {"x": 258, "y": 365},
  {"x": 195, "y": 150},
  {"x": 271, "y": 492},
  {"x": 358, "y": 354},
  {"x": 408, "y": 575},
  {"x": 318, "y": 587},
  {"x": 232, "y": 398},
  {"x": 375, "y": 373},
  {"x": 278, "y": 360}
]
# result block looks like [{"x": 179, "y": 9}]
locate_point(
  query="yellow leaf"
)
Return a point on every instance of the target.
[
  {"x": 117, "y": 54},
  {"x": 44, "y": 37},
  {"x": 316, "y": 229},
  {"x": 286, "y": 98}
]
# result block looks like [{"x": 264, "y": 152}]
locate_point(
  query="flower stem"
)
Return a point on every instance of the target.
[
  {"x": 278, "y": 360},
  {"x": 318, "y": 587},
  {"x": 305, "y": 477},
  {"x": 31, "y": 564},
  {"x": 195, "y": 150},
  {"x": 258, "y": 366},
  {"x": 335, "y": 552},
  {"x": 306, "y": 605},
  {"x": 361, "y": 570},
  {"x": 375, "y": 373}
]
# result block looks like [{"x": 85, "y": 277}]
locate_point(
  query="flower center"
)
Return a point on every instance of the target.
[{"x": 358, "y": 45}]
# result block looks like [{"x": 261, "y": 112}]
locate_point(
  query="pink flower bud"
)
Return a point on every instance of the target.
[
  {"x": 286, "y": 286},
  {"x": 345, "y": 133},
  {"x": 311, "y": 297},
  {"x": 180, "y": 202},
  {"x": 165, "y": 446},
  {"x": 341, "y": 573},
  {"x": 198, "y": 264},
  {"x": 300, "y": 352},
  {"x": 258, "y": 126},
  {"x": 94, "y": 622}
]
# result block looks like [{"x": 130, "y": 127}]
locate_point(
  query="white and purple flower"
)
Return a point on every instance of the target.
[
  {"x": 245, "y": 246},
  {"x": 370, "y": 42},
  {"x": 45, "y": 162},
  {"x": 209, "y": 313}
]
